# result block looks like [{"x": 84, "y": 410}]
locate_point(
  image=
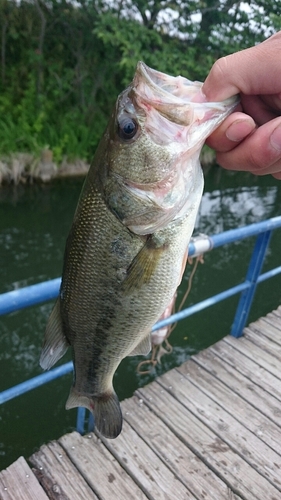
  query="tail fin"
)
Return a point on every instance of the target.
[{"x": 105, "y": 408}]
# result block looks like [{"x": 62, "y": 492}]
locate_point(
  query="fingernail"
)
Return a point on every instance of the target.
[
  {"x": 238, "y": 130},
  {"x": 275, "y": 138}
]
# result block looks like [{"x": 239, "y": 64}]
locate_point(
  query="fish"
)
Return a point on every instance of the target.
[{"x": 127, "y": 248}]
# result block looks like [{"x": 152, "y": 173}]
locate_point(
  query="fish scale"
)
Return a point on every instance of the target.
[{"x": 126, "y": 250}]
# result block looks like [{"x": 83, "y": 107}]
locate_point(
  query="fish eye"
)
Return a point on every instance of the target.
[{"x": 127, "y": 128}]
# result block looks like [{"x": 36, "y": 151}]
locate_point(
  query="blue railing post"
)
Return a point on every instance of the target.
[
  {"x": 91, "y": 422},
  {"x": 80, "y": 421},
  {"x": 253, "y": 273}
]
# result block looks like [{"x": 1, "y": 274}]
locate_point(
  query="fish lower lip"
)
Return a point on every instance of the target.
[{"x": 161, "y": 187}]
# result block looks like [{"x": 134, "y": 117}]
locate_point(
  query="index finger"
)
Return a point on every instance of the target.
[{"x": 251, "y": 71}]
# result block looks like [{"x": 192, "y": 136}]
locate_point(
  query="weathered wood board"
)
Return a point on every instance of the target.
[
  {"x": 18, "y": 482},
  {"x": 57, "y": 474}
]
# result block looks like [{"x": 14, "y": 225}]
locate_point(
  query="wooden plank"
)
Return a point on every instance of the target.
[
  {"x": 266, "y": 335},
  {"x": 256, "y": 353},
  {"x": 257, "y": 337},
  {"x": 147, "y": 469},
  {"x": 240, "y": 477},
  {"x": 99, "y": 468},
  {"x": 187, "y": 467},
  {"x": 267, "y": 404},
  {"x": 275, "y": 318},
  {"x": 274, "y": 321},
  {"x": 58, "y": 476},
  {"x": 250, "y": 369},
  {"x": 276, "y": 312},
  {"x": 250, "y": 448},
  {"x": 271, "y": 325},
  {"x": 18, "y": 482},
  {"x": 207, "y": 374}
]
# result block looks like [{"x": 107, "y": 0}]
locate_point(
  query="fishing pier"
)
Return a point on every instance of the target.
[{"x": 208, "y": 429}]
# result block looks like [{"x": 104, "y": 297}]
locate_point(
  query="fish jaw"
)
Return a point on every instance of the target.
[
  {"x": 172, "y": 128},
  {"x": 175, "y": 108},
  {"x": 167, "y": 201}
]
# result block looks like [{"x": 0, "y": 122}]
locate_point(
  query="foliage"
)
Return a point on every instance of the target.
[{"x": 63, "y": 63}]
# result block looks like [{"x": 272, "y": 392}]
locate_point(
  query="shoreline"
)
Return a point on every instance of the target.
[{"x": 25, "y": 168}]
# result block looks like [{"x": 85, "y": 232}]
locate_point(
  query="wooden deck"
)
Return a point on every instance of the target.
[{"x": 210, "y": 429}]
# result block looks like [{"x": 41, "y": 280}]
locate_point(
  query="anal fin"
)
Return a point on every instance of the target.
[
  {"x": 143, "y": 348},
  {"x": 55, "y": 343}
]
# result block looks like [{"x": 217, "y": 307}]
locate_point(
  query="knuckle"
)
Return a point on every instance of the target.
[
  {"x": 255, "y": 159},
  {"x": 220, "y": 68}
]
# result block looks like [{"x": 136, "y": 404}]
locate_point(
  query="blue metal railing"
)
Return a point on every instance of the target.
[{"x": 42, "y": 292}]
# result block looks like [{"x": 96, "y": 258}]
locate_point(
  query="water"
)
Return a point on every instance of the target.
[{"x": 34, "y": 223}]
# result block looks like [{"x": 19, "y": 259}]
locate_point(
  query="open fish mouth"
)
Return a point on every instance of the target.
[
  {"x": 175, "y": 108},
  {"x": 177, "y": 98},
  {"x": 174, "y": 89}
]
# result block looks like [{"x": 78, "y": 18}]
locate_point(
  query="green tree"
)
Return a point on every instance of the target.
[{"x": 64, "y": 63}]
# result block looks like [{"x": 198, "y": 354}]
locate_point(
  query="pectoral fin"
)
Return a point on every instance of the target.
[
  {"x": 143, "y": 348},
  {"x": 143, "y": 265},
  {"x": 55, "y": 343}
]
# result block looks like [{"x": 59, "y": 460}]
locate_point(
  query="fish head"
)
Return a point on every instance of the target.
[{"x": 155, "y": 137}]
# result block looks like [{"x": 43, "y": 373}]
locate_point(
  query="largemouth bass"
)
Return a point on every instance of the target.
[{"x": 127, "y": 248}]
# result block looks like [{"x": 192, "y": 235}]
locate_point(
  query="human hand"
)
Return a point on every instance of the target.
[{"x": 250, "y": 138}]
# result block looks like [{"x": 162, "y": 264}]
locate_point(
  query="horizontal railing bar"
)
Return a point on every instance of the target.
[
  {"x": 233, "y": 235},
  {"x": 213, "y": 300},
  {"x": 201, "y": 305},
  {"x": 48, "y": 290},
  {"x": 46, "y": 377},
  {"x": 269, "y": 274},
  {"x": 29, "y": 296},
  {"x": 35, "y": 382}
]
